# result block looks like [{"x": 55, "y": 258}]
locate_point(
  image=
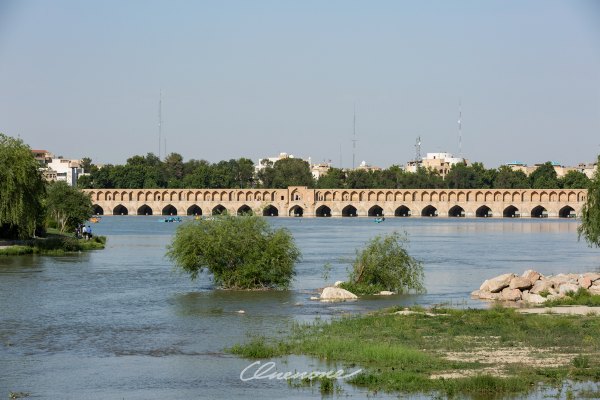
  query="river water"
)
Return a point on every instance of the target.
[{"x": 120, "y": 324}]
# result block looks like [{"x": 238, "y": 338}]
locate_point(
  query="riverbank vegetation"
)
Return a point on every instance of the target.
[
  {"x": 29, "y": 205},
  {"x": 53, "y": 244},
  {"x": 590, "y": 215},
  {"x": 151, "y": 172},
  {"x": 476, "y": 353},
  {"x": 240, "y": 252},
  {"x": 385, "y": 265}
]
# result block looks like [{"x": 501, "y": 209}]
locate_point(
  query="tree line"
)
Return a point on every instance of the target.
[{"x": 151, "y": 172}]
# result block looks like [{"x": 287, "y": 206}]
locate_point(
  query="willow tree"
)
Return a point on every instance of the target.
[
  {"x": 21, "y": 189},
  {"x": 590, "y": 215}
]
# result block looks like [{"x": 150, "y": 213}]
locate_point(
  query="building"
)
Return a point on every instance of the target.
[
  {"x": 439, "y": 162},
  {"x": 58, "y": 168},
  {"x": 366, "y": 167},
  {"x": 561, "y": 170},
  {"x": 269, "y": 161},
  {"x": 319, "y": 170}
]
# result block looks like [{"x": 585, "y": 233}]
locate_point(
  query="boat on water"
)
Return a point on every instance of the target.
[
  {"x": 379, "y": 220},
  {"x": 95, "y": 219},
  {"x": 170, "y": 219}
]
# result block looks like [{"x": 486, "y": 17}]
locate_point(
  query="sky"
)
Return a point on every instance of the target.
[{"x": 256, "y": 78}]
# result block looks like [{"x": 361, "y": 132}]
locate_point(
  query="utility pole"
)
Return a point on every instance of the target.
[{"x": 459, "y": 129}]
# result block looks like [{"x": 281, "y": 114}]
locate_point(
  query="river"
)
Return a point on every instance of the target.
[{"x": 121, "y": 324}]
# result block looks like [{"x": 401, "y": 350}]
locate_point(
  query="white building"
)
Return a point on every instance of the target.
[{"x": 440, "y": 162}]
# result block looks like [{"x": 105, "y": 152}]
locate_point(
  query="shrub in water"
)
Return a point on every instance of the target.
[
  {"x": 240, "y": 252},
  {"x": 384, "y": 264}
]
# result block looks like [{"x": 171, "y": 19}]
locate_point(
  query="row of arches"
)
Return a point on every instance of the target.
[
  {"x": 166, "y": 195},
  {"x": 507, "y": 196},
  {"x": 348, "y": 211}
]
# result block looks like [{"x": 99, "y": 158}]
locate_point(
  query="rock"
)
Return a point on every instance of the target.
[
  {"x": 241, "y": 312},
  {"x": 595, "y": 288},
  {"x": 532, "y": 275},
  {"x": 332, "y": 293},
  {"x": 561, "y": 279},
  {"x": 584, "y": 282},
  {"x": 509, "y": 294},
  {"x": 338, "y": 283},
  {"x": 386, "y": 293},
  {"x": 541, "y": 285},
  {"x": 498, "y": 283},
  {"x": 485, "y": 295},
  {"x": 567, "y": 287},
  {"x": 485, "y": 286},
  {"x": 519, "y": 282},
  {"x": 533, "y": 298},
  {"x": 314, "y": 298},
  {"x": 475, "y": 294},
  {"x": 594, "y": 276}
]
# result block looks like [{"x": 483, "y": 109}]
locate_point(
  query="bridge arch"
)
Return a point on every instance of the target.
[
  {"x": 483, "y": 212},
  {"x": 296, "y": 211},
  {"x": 194, "y": 210},
  {"x": 456, "y": 211},
  {"x": 539, "y": 212},
  {"x": 567, "y": 212},
  {"x": 323, "y": 211},
  {"x": 219, "y": 209},
  {"x": 429, "y": 211},
  {"x": 244, "y": 210},
  {"x": 270, "y": 211},
  {"x": 375, "y": 211},
  {"x": 349, "y": 211},
  {"x": 120, "y": 210},
  {"x": 144, "y": 210},
  {"x": 511, "y": 212},
  {"x": 402, "y": 211},
  {"x": 169, "y": 210},
  {"x": 97, "y": 210}
]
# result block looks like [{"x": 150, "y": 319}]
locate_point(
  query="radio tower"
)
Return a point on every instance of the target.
[
  {"x": 354, "y": 139},
  {"x": 418, "y": 150},
  {"x": 159, "y": 122},
  {"x": 459, "y": 129}
]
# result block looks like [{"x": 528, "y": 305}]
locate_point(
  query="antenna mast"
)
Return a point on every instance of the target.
[
  {"x": 459, "y": 129},
  {"x": 418, "y": 150},
  {"x": 159, "y": 122},
  {"x": 354, "y": 139}
]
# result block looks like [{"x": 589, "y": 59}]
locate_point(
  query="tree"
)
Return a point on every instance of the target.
[
  {"x": 334, "y": 179},
  {"x": 287, "y": 172},
  {"x": 384, "y": 264},
  {"x": 21, "y": 190},
  {"x": 590, "y": 215},
  {"x": 507, "y": 178},
  {"x": 67, "y": 206},
  {"x": 574, "y": 180},
  {"x": 544, "y": 177},
  {"x": 240, "y": 252}
]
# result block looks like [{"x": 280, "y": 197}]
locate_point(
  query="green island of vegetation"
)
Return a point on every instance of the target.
[{"x": 450, "y": 352}]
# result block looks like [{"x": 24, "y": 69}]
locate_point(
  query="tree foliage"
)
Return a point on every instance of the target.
[
  {"x": 590, "y": 215},
  {"x": 384, "y": 264},
  {"x": 67, "y": 206},
  {"x": 240, "y": 252},
  {"x": 21, "y": 190}
]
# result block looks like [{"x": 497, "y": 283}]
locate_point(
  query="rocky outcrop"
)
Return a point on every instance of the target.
[
  {"x": 535, "y": 288},
  {"x": 332, "y": 293}
]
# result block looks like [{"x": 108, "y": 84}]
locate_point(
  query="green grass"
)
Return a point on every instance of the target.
[
  {"x": 401, "y": 353},
  {"x": 582, "y": 297},
  {"x": 55, "y": 244}
]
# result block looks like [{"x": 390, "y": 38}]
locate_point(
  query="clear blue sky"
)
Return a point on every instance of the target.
[{"x": 253, "y": 78}]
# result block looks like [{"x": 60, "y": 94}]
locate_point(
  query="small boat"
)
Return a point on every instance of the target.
[
  {"x": 96, "y": 219},
  {"x": 170, "y": 219},
  {"x": 379, "y": 220}
]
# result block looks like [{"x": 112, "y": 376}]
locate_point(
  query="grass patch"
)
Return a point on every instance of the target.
[
  {"x": 54, "y": 244},
  {"x": 475, "y": 353},
  {"x": 582, "y": 297}
]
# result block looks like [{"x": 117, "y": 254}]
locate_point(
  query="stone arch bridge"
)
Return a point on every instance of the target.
[{"x": 303, "y": 202}]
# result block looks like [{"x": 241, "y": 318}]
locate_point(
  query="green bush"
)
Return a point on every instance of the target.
[
  {"x": 240, "y": 252},
  {"x": 384, "y": 264}
]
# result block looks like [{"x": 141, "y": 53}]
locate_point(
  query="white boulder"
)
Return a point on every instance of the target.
[{"x": 332, "y": 293}]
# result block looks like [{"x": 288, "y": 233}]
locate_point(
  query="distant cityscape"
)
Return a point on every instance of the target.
[{"x": 58, "y": 168}]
